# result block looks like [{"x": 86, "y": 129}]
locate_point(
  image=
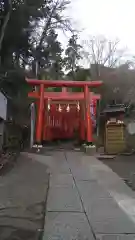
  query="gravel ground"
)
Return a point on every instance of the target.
[
  {"x": 124, "y": 166},
  {"x": 23, "y": 192},
  {"x": 7, "y": 161}
]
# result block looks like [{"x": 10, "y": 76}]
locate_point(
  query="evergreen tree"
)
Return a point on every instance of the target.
[
  {"x": 72, "y": 55},
  {"x": 51, "y": 62},
  {"x": 24, "y": 39}
]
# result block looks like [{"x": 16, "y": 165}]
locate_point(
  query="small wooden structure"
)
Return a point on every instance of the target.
[{"x": 114, "y": 139}]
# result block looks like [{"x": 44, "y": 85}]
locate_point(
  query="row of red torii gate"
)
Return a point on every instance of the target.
[{"x": 59, "y": 115}]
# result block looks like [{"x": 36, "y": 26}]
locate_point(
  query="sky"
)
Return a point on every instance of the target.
[{"x": 111, "y": 18}]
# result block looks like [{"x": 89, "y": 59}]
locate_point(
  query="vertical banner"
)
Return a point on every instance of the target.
[
  {"x": 32, "y": 132},
  {"x": 93, "y": 117}
]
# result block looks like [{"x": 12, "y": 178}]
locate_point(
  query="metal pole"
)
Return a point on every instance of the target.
[
  {"x": 98, "y": 117},
  {"x": 32, "y": 108}
]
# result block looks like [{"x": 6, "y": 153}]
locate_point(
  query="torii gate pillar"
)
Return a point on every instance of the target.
[
  {"x": 88, "y": 121},
  {"x": 40, "y": 115}
]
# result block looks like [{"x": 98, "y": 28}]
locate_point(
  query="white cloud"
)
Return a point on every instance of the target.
[{"x": 112, "y": 18}]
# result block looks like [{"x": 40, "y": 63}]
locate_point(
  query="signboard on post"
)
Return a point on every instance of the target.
[
  {"x": 131, "y": 128},
  {"x": 93, "y": 117},
  {"x": 3, "y": 106}
]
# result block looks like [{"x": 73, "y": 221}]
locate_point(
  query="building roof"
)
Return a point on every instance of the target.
[{"x": 114, "y": 108}]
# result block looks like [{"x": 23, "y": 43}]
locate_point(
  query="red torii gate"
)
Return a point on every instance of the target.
[
  {"x": 72, "y": 96},
  {"x": 64, "y": 95}
]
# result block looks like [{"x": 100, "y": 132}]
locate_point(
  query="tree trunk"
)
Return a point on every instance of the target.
[{"x": 6, "y": 19}]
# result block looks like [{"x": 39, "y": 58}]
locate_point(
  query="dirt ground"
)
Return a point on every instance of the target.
[
  {"x": 124, "y": 166},
  {"x": 23, "y": 191}
]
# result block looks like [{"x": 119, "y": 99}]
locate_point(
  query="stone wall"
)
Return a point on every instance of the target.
[{"x": 130, "y": 137}]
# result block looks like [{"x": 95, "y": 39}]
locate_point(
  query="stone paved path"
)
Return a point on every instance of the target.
[{"x": 86, "y": 200}]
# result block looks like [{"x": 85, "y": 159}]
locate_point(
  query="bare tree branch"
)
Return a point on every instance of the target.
[
  {"x": 55, "y": 19},
  {"x": 112, "y": 48},
  {"x": 101, "y": 51}
]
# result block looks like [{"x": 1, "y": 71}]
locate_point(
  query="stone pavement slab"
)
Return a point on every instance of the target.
[
  {"x": 80, "y": 166},
  {"x": 97, "y": 202},
  {"x": 82, "y": 173},
  {"x": 91, "y": 190},
  {"x": 63, "y": 199},
  {"x": 67, "y": 226},
  {"x": 113, "y": 184},
  {"x": 55, "y": 162},
  {"x": 103, "y": 211},
  {"x": 115, "y": 237},
  {"x": 61, "y": 179},
  {"x": 113, "y": 226},
  {"x": 84, "y": 195}
]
